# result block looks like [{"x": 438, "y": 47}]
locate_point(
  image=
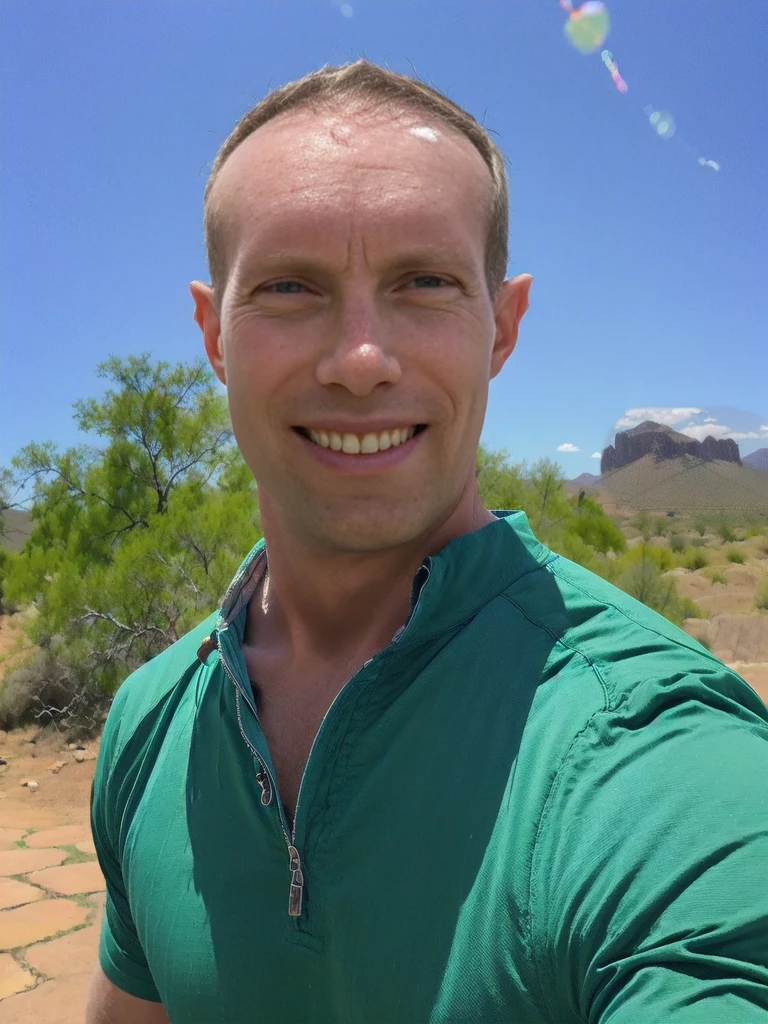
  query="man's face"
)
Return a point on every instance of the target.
[{"x": 356, "y": 313}]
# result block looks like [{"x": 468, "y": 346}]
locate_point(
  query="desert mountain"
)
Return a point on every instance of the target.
[
  {"x": 662, "y": 442},
  {"x": 758, "y": 459}
]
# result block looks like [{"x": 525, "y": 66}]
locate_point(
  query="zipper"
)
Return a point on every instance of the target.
[
  {"x": 268, "y": 787},
  {"x": 266, "y": 780}
]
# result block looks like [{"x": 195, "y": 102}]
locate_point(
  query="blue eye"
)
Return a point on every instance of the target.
[
  {"x": 278, "y": 284},
  {"x": 430, "y": 277}
]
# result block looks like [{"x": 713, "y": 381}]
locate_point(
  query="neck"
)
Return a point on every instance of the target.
[{"x": 318, "y": 603}]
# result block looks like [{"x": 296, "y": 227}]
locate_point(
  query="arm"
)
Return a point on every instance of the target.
[
  {"x": 107, "y": 1004},
  {"x": 648, "y": 896}
]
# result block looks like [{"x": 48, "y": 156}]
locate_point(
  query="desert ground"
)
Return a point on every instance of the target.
[{"x": 51, "y": 888}]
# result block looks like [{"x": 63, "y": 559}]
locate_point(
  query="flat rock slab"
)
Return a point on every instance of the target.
[
  {"x": 86, "y": 847},
  {"x": 69, "y": 954},
  {"x": 14, "y": 894},
  {"x": 13, "y": 978},
  {"x": 10, "y": 836},
  {"x": 65, "y": 835},
  {"x": 38, "y": 921},
  {"x": 18, "y": 862},
  {"x": 72, "y": 879},
  {"x": 62, "y": 1001}
]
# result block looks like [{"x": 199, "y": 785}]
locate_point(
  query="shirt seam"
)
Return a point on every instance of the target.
[
  {"x": 643, "y": 625},
  {"x": 559, "y": 641}
]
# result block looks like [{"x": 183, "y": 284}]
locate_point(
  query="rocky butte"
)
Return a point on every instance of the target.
[{"x": 661, "y": 441}]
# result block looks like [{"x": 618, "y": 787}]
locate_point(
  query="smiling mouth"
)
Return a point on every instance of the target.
[{"x": 361, "y": 444}]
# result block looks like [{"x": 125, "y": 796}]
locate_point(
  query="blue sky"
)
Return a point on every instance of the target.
[{"x": 649, "y": 296}]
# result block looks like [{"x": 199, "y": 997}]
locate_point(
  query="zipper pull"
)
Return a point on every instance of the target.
[
  {"x": 297, "y": 883},
  {"x": 207, "y": 647},
  {"x": 266, "y": 788}
]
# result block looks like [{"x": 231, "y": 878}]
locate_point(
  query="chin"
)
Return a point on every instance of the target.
[{"x": 372, "y": 530}]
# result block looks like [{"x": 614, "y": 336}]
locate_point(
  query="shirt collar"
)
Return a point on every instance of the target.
[{"x": 449, "y": 587}]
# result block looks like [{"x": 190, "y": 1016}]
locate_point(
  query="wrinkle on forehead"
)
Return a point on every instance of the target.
[{"x": 296, "y": 165}]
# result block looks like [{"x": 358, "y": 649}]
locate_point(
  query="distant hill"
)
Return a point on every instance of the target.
[
  {"x": 18, "y": 526},
  {"x": 758, "y": 459},
  {"x": 662, "y": 442},
  {"x": 688, "y": 485},
  {"x": 584, "y": 480}
]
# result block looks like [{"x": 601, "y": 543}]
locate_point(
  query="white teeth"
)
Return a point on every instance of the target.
[{"x": 366, "y": 444}]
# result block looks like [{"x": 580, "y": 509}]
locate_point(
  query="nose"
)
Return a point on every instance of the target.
[{"x": 360, "y": 356}]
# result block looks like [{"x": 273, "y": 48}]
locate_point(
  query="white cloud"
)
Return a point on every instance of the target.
[
  {"x": 596, "y": 455},
  {"x": 711, "y": 419},
  {"x": 568, "y": 448},
  {"x": 703, "y": 430},
  {"x": 764, "y": 428},
  {"x": 709, "y": 163},
  {"x": 659, "y": 414}
]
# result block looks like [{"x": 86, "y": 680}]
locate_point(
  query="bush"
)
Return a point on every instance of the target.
[
  {"x": 677, "y": 542},
  {"x": 695, "y": 559},
  {"x": 660, "y": 527},
  {"x": 46, "y": 689},
  {"x": 754, "y": 531},
  {"x": 698, "y": 542},
  {"x": 718, "y": 577},
  {"x": 643, "y": 581},
  {"x": 700, "y": 526},
  {"x": 724, "y": 532},
  {"x": 735, "y": 556},
  {"x": 761, "y": 601}
]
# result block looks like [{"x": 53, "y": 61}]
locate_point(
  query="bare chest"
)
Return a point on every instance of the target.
[{"x": 291, "y": 709}]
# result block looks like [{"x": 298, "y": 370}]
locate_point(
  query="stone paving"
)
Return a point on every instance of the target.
[{"x": 51, "y": 902}]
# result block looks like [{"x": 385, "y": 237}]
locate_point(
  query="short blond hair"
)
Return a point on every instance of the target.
[{"x": 364, "y": 83}]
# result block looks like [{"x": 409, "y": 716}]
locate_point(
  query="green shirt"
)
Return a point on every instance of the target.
[{"x": 542, "y": 802}]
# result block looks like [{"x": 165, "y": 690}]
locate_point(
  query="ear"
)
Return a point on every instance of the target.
[
  {"x": 511, "y": 305},
  {"x": 207, "y": 319}
]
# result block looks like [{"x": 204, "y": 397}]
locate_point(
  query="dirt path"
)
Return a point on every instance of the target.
[{"x": 51, "y": 887}]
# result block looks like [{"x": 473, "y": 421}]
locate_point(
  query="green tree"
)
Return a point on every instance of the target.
[{"x": 134, "y": 541}]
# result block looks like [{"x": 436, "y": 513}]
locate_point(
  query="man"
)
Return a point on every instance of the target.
[{"x": 417, "y": 768}]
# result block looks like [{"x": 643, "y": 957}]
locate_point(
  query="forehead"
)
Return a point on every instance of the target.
[{"x": 305, "y": 174}]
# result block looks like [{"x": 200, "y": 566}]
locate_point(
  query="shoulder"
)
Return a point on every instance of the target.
[
  {"x": 145, "y": 692},
  {"x": 632, "y": 653}
]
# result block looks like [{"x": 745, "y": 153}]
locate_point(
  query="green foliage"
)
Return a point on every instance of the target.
[
  {"x": 133, "y": 542},
  {"x": 660, "y": 527},
  {"x": 700, "y": 526},
  {"x": 718, "y": 577},
  {"x": 694, "y": 559},
  {"x": 642, "y": 523},
  {"x": 754, "y": 531},
  {"x": 761, "y": 601},
  {"x": 734, "y": 555},
  {"x": 724, "y": 532},
  {"x": 642, "y": 579},
  {"x": 575, "y": 527},
  {"x": 677, "y": 543},
  {"x": 698, "y": 542}
]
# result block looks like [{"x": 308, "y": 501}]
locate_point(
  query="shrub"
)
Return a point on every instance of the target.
[
  {"x": 698, "y": 542},
  {"x": 724, "y": 532},
  {"x": 677, "y": 542},
  {"x": 761, "y": 601},
  {"x": 700, "y": 526},
  {"x": 754, "y": 531},
  {"x": 660, "y": 527},
  {"x": 718, "y": 577},
  {"x": 46, "y": 689},
  {"x": 733, "y": 555},
  {"x": 695, "y": 559}
]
